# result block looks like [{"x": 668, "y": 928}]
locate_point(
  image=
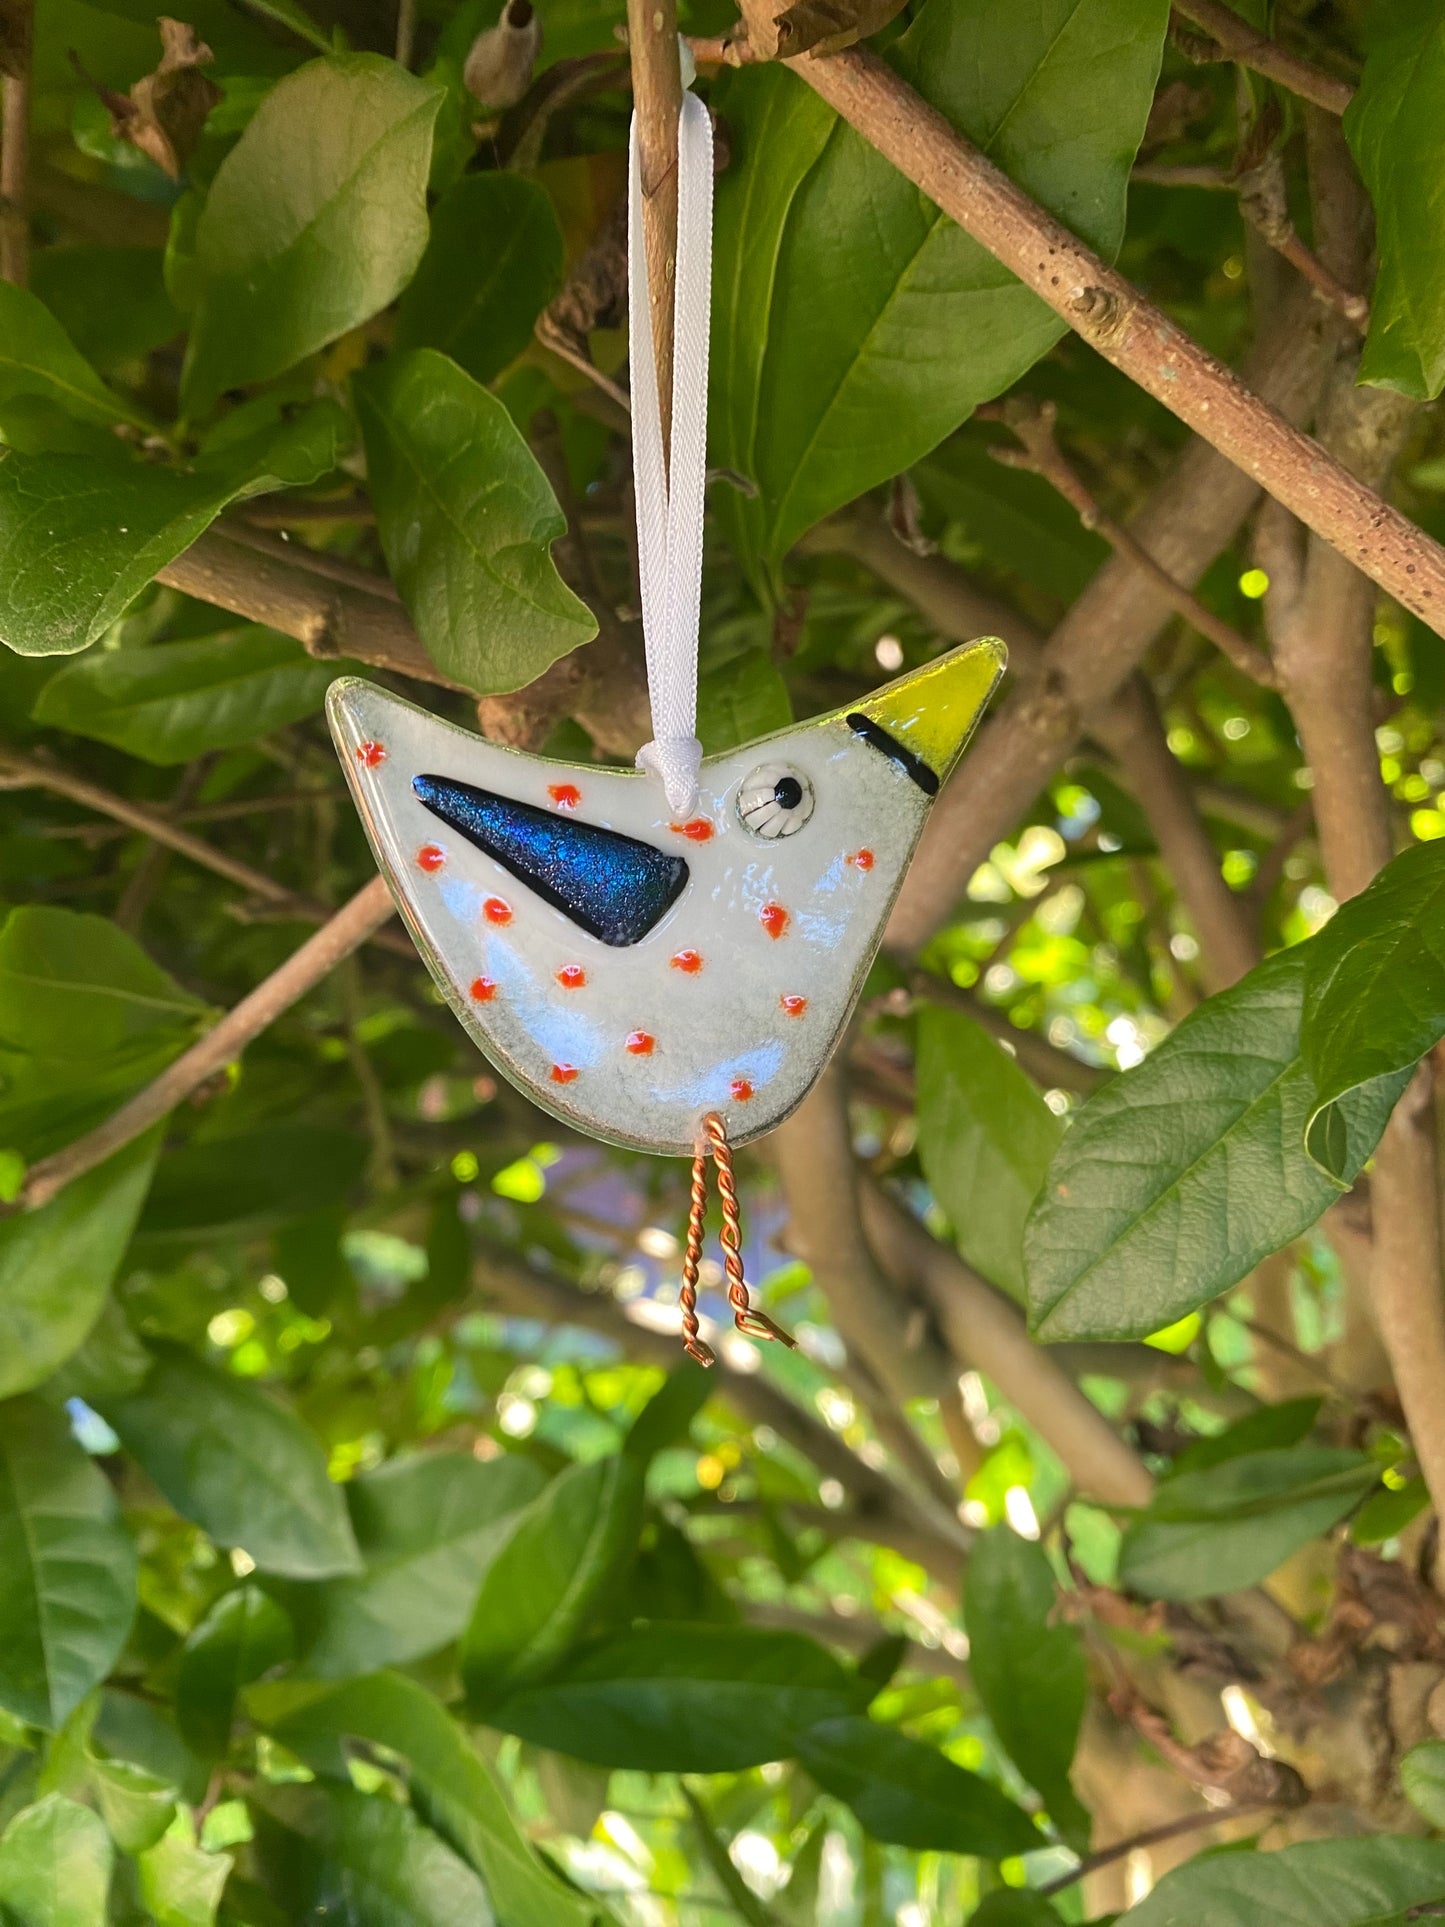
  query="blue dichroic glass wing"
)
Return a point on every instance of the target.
[{"x": 614, "y": 887}]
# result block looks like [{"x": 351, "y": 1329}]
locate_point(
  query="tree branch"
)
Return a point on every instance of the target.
[
  {"x": 19, "y": 771},
  {"x": 987, "y": 1333},
  {"x": 1241, "y": 42},
  {"x": 1124, "y": 327},
  {"x": 302, "y": 971},
  {"x": 1193, "y": 514},
  {"x": 15, "y": 145},
  {"x": 657, "y": 101}
]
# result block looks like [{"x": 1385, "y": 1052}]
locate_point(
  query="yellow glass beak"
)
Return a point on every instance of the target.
[{"x": 932, "y": 712}]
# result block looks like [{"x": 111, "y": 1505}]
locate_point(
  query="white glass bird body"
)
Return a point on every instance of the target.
[{"x": 632, "y": 973}]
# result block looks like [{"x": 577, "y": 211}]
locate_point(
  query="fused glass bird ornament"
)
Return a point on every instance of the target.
[{"x": 633, "y": 973}]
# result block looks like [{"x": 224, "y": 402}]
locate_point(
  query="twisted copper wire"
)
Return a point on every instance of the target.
[
  {"x": 746, "y": 1316},
  {"x": 692, "y": 1343}
]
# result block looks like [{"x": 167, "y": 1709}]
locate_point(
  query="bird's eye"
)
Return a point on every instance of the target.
[{"x": 775, "y": 801}]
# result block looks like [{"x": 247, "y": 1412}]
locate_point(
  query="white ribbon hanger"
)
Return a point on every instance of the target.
[{"x": 670, "y": 496}]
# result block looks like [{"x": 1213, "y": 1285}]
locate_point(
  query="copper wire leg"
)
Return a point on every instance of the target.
[
  {"x": 692, "y": 1342},
  {"x": 746, "y": 1316}
]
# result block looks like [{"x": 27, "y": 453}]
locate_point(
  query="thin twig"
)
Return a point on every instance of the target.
[
  {"x": 1034, "y": 425},
  {"x": 1264, "y": 203},
  {"x": 1126, "y": 328},
  {"x": 1154, "y": 1837},
  {"x": 657, "y": 101},
  {"x": 301, "y": 972},
  {"x": 554, "y": 339},
  {"x": 405, "y": 31},
  {"x": 19, "y": 771},
  {"x": 1241, "y": 42},
  {"x": 15, "y": 147}
]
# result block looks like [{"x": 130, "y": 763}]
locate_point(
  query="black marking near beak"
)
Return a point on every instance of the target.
[{"x": 877, "y": 737}]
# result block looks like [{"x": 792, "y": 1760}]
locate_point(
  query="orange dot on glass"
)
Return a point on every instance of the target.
[
  {"x": 862, "y": 859},
  {"x": 565, "y": 795},
  {"x": 699, "y": 830},
  {"x": 774, "y": 919},
  {"x": 741, "y": 1089},
  {"x": 497, "y": 910},
  {"x": 641, "y": 1043},
  {"x": 370, "y": 754},
  {"x": 430, "y": 857},
  {"x": 688, "y": 961},
  {"x": 483, "y": 990},
  {"x": 564, "y": 1073},
  {"x": 571, "y": 976},
  {"x": 793, "y": 1006}
]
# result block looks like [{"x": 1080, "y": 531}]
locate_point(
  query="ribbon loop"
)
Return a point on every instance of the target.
[{"x": 670, "y": 495}]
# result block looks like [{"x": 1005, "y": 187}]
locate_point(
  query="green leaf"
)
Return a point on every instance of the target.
[
  {"x": 449, "y": 1781},
  {"x": 1395, "y": 132},
  {"x": 55, "y": 1862},
  {"x": 57, "y": 1264},
  {"x": 82, "y": 535},
  {"x": 985, "y": 1140},
  {"x": 1366, "y": 1882},
  {"x": 376, "y": 1864},
  {"x": 179, "y": 700},
  {"x": 243, "y": 1636},
  {"x": 69, "y": 1568},
  {"x": 1015, "y": 1907},
  {"x": 1374, "y": 994},
  {"x": 740, "y": 700},
  {"x": 1273, "y": 1428},
  {"x": 911, "y": 1795},
  {"x": 315, "y": 221},
  {"x": 1015, "y": 518},
  {"x": 564, "y": 1554},
  {"x": 1178, "y": 1177},
  {"x": 1029, "y": 1671},
  {"x": 180, "y": 1884},
  {"x": 467, "y": 520},
  {"x": 287, "y": 13},
  {"x": 38, "y": 360},
  {"x": 493, "y": 263},
  {"x": 248, "y": 1184},
  {"x": 1422, "y": 1775},
  {"x": 428, "y": 1527},
  {"x": 1215, "y": 1531},
  {"x": 136, "y": 1806},
  {"x": 855, "y": 325},
  {"x": 240, "y": 1466},
  {"x": 1386, "y": 1513},
  {"x": 683, "y": 1699},
  {"x": 111, "y": 301},
  {"x": 667, "y": 1417}
]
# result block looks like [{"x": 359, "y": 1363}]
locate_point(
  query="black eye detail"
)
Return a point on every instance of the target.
[{"x": 775, "y": 801}]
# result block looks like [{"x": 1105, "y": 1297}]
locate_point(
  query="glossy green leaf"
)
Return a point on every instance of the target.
[
  {"x": 1422, "y": 1775},
  {"x": 55, "y": 1862},
  {"x": 175, "y": 702},
  {"x": 315, "y": 221},
  {"x": 985, "y": 1139},
  {"x": 136, "y": 1806},
  {"x": 1272, "y": 1428},
  {"x": 376, "y": 1864},
  {"x": 180, "y": 1884},
  {"x": 239, "y": 1465},
  {"x": 1369, "y": 1882},
  {"x": 449, "y": 1780},
  {"x": 68, "y": 1563},
  {"x": 1215, "y": 1531},
  {"x": 1014, "y": 518},
  {"x": 242, "y": 1637},
  {"x": 855, "y": 326},
  {"x": 39, "y": 361},
  {"x": 57, "y": 1264},
  {"x": 667, "y": 1417},
  {"x": 1374, "y": 995},
  {"x": 111, "y": 301},
  {"x": 1178, "y": 1177},
  {"x": 467, "y": 519},
  {"x": 740, "y": 700},
  {"x": 1386, "y": 1513},
  {"x": 428, "y": 1527},
  {"x": 566, "y": 1552},
  {"x": 683, "y": 1699},
  {"x": 911, "y": 1795},
  {"x": 492, "y": 264},
  {"x": 250, "y": 1183},
  {"x": 1028, "y": 1667},
  {"x": 1398, "y": 139}
]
